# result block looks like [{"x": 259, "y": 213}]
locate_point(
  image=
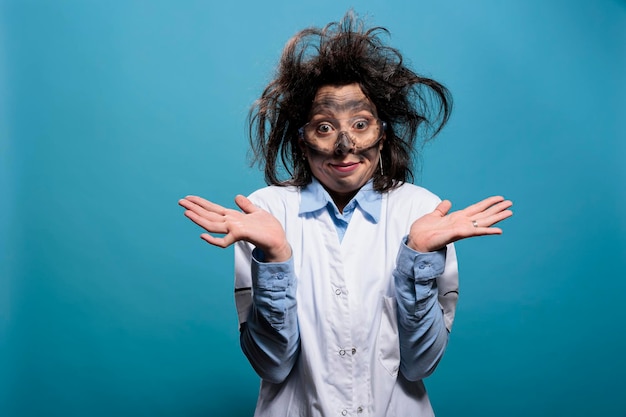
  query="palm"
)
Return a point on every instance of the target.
[
  {"x": 252, "y": 225},
  {"x": 435, "y": 230}
]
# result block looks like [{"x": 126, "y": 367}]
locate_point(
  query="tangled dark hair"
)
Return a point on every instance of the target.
[{"x": 342, "y": 53}]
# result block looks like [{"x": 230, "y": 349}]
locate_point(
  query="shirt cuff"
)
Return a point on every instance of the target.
[
  {"x": 271, "y": 275},
  {"x": 422, "y": 266}
]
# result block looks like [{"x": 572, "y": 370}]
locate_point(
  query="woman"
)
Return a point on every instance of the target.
[{"x": 346, "y": 279}]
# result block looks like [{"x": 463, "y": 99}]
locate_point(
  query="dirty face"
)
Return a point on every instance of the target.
[{"x": 342, "y": 140}]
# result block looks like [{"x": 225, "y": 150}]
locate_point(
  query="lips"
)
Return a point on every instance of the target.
[{"x": 345, "y": 167}]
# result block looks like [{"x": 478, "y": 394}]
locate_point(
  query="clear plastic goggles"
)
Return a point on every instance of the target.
[{"x": 325, "y": 136}]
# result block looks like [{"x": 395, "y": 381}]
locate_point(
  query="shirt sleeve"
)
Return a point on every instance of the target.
[
  {"x": 270, "y": 337},
  {"x": 421, "y": 329}
]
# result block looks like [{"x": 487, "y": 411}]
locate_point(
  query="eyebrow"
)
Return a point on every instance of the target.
[{"x": 330, "y": 105}]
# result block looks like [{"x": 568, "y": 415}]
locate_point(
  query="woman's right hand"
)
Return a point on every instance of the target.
[{"x": 252, "y": 224}]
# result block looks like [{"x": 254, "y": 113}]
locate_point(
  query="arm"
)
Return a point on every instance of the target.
[
  {"x": 422, "y": 328},
  {"x": 270, "y": 337},
  {"x": 269, "y": 330}
]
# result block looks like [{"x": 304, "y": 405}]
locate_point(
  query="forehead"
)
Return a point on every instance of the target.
[{"x": 335, "y": 100}]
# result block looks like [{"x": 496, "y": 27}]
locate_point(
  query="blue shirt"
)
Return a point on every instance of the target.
[{"x": 314, "y": 197}]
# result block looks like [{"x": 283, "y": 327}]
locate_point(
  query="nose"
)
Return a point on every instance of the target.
[{"x": 343, "y": 145}]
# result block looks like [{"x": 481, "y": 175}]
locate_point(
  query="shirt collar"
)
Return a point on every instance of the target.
[{"x": 314, "y": 197}]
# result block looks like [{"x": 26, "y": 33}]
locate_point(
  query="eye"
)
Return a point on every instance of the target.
[
  {"x": 324, "y": 128},
  {"x": 361, "y": 124}
]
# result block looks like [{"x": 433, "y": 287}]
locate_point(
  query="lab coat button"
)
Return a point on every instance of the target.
[
  {"x": 342, "y": 352},
  {"x": 338, "y": 291},
  {"x": 353, "y": 351},
  {"x": 344, "y": 412},
  {"x": 359, "y": 410}
]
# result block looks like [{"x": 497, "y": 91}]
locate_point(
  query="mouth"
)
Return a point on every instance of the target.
[{"x": 345, "y": 167}]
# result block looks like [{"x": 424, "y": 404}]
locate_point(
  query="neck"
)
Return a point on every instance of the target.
[{"x": 341, "y": 200}]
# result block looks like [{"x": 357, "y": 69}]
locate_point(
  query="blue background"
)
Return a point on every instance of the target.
[{"x": 110, "y": 112}]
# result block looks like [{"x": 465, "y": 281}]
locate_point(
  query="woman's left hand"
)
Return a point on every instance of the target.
[{"x": 435, "y": 230}]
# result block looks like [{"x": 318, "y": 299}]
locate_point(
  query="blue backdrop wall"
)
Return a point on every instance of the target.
[{"x": 110, "y": 112}]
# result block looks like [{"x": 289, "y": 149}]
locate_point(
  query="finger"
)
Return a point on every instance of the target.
[
  {"x": 495, "y": 209},
  {"x": 207, "y": 224},
  {"x": 498, "y": 217},
  {"x": 484, "y": 231},
  {"x": 201, "y": 212},
  {"x": 443, "y": 208},
  {"x": 245, "y": 204},
  {"x": 205, "y": 208},
  {"x": 482, "y": 205},
  {"x": 206, "y": 204},
  {"x": 190, "y": 205},
  {"x": 222, "y": 242},
  {"x": 501, "y": 206},
  {"x": 487, "y": 222},
  {"x": 186, "y": 203}
]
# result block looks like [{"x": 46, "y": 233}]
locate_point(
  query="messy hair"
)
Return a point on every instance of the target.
[{"x": 415, "y": 108}]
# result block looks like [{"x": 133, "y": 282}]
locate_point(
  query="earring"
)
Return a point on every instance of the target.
[{"x": 380, "y": 163}]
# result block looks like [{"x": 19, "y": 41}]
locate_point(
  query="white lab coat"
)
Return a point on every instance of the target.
[{"x": 346, "y": 308}]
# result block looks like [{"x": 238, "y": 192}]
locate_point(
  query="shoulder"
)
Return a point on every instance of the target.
[
  {"x": 410, "y": 199},
  {"x": 402, "y": 205},
  {"x": 413, "y": 192}
]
